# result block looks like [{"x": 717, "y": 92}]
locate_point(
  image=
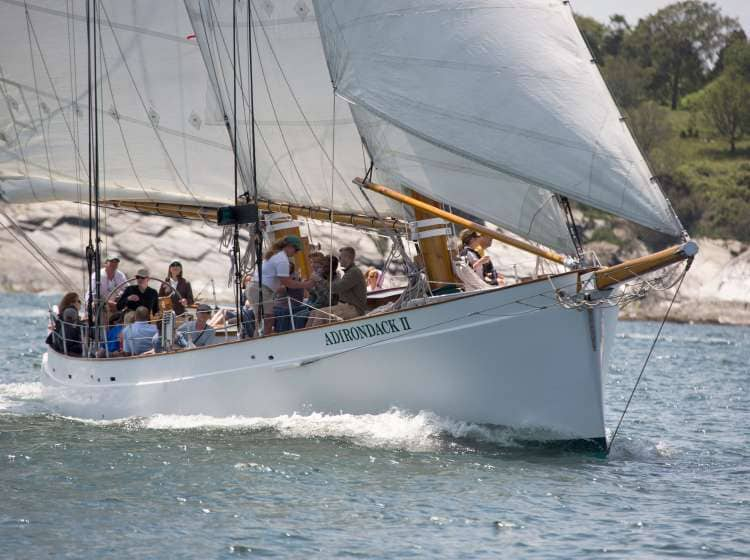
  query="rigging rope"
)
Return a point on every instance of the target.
[
  {"x": 16, "y": 231},
  {"x": 39, "y": 103},
  {"x": 333, "y": 175},
  {"x": 648, "y": 356}
]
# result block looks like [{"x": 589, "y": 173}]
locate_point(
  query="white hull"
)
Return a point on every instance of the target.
[{"x": 489, "y": 357}]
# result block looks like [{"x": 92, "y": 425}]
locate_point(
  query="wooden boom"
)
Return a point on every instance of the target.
[
  {"x": 208, "y": 213},
  {"x": 611, "y": 275},
  {"x": 440, "y": 213}
]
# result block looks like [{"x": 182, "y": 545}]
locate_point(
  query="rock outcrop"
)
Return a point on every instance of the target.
[{"x": 717, "y": 289}]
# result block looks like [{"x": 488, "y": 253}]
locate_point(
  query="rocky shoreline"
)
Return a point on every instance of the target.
[{"x": 716, "y": 290}]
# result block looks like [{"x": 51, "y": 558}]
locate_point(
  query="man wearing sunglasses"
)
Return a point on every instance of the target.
[{"x": 140, "y": 294}]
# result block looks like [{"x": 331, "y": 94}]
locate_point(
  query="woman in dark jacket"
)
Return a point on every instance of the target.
[
  {"x": 177, "y": 287},
  {"x": 67, "y": 326}
]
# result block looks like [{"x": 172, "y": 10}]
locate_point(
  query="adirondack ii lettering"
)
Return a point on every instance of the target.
[{"x": 369, "y": 330}]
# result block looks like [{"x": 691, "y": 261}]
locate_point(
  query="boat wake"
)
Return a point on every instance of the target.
[
  {"x": 21, "y": 398},
  {"x": 394, "y": 429}
]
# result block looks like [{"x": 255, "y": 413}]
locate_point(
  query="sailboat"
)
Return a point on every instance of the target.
[{"x": 399, "y": 116}]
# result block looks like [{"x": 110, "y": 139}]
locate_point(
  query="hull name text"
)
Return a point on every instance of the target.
[{"x": 369, "y": 330}]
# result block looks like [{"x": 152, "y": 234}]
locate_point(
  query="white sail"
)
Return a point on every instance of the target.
[
  {"x": 158, "y": 138},
  {"x": 503, "y": 93},
  {"x": 293, "y": 90},
  {"x": 298, "y": 136},
  {"x": 163, "y": 102}
]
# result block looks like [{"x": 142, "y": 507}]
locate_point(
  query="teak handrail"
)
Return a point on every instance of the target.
[{"x": 458, "y": 220}]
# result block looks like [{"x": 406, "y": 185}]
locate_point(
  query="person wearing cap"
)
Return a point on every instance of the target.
[
  {"x": 275, "y": 276},
  {"x": 472, "y": 249},
  {"x": 178, "y": 288},
  {"x": 140, "y": 295},
  {"x": 197, "y": 332},
  {"x": 111, "y": 281}
]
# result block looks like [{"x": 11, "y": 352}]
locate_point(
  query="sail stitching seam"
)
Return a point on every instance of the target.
[{"x": 145, "y": 108}]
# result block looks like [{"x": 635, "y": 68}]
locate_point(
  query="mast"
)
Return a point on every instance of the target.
[
  {"x": 253, "y": 163},
  {"x": 93, "y": 250},
  {"x": 432, "y": 235},
  {"x": 236, "y": 234}
]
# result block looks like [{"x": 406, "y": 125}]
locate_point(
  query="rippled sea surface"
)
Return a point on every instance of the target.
[{"x": 396, "y": 484}]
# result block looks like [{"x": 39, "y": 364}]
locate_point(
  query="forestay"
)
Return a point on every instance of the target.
[{"x": 490, "y": 106}]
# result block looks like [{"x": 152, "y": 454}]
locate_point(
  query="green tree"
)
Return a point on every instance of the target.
[
  {"x": 593, "y": 32},
  {"x": 726, "y": 107},
  {"x": 681, "y": 42},
  {"x": 615, "y": 35},
  {"x": 627, "y": 80},
  {"x": 650, "y": 124},
  {"x": 734, "y": 38},
  {"x": 736, "y": 58}
]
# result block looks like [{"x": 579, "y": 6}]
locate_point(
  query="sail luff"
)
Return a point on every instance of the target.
[{"x": 653, "y": 176}]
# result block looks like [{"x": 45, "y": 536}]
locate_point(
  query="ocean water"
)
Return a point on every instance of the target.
[{"x": 392, "y": 485}]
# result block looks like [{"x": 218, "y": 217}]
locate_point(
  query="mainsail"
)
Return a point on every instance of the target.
[
  {"x": 308, "y": 151},
  {"x": 488, "y": 105},
  {"x": 493, "y": 108},
  {"x": 159, "y": 135}
]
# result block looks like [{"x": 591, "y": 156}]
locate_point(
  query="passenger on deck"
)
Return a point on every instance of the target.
[
  {"x": 198, "y": 332},
  {"x": 178, "y": 288},
  {"x": 111, "y": 281},
  {"x": 372, "y": 276},
  {"x": 485, "y": 242},
  {"x": 288, "y": 305},
  {"x": 111, "y": 346},
  {"x": 351, "y": 290},
  {"x": 275, "y": 275},
  {"x": 67, "y": 326},
  {"x": 127, "y": 319},
  {"x": 472, "y": 250},
  {"x": 325, "y": 271},
  {"x": 137, "y": 338},
  {"x": 70, "y": 299},
  {"x": 140, "y": 294}
]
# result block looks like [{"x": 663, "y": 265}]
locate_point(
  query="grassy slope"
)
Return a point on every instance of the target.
[{"x": 708, "y": 186}]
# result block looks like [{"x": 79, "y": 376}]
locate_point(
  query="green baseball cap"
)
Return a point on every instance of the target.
[{"x": 294, "y": 241}]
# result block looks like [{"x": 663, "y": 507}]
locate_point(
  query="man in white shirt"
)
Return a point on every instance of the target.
[
  {"x": 110, "y": 279},
  {"x": 275, "y": 276}
]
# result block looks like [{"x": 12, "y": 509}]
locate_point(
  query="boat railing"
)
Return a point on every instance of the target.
[{"x": 106, "y": 341}]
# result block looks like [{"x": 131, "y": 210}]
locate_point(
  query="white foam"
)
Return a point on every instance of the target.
[
  {"x": 14, "y": 395},
  {"x": 394, "y": 429}
]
